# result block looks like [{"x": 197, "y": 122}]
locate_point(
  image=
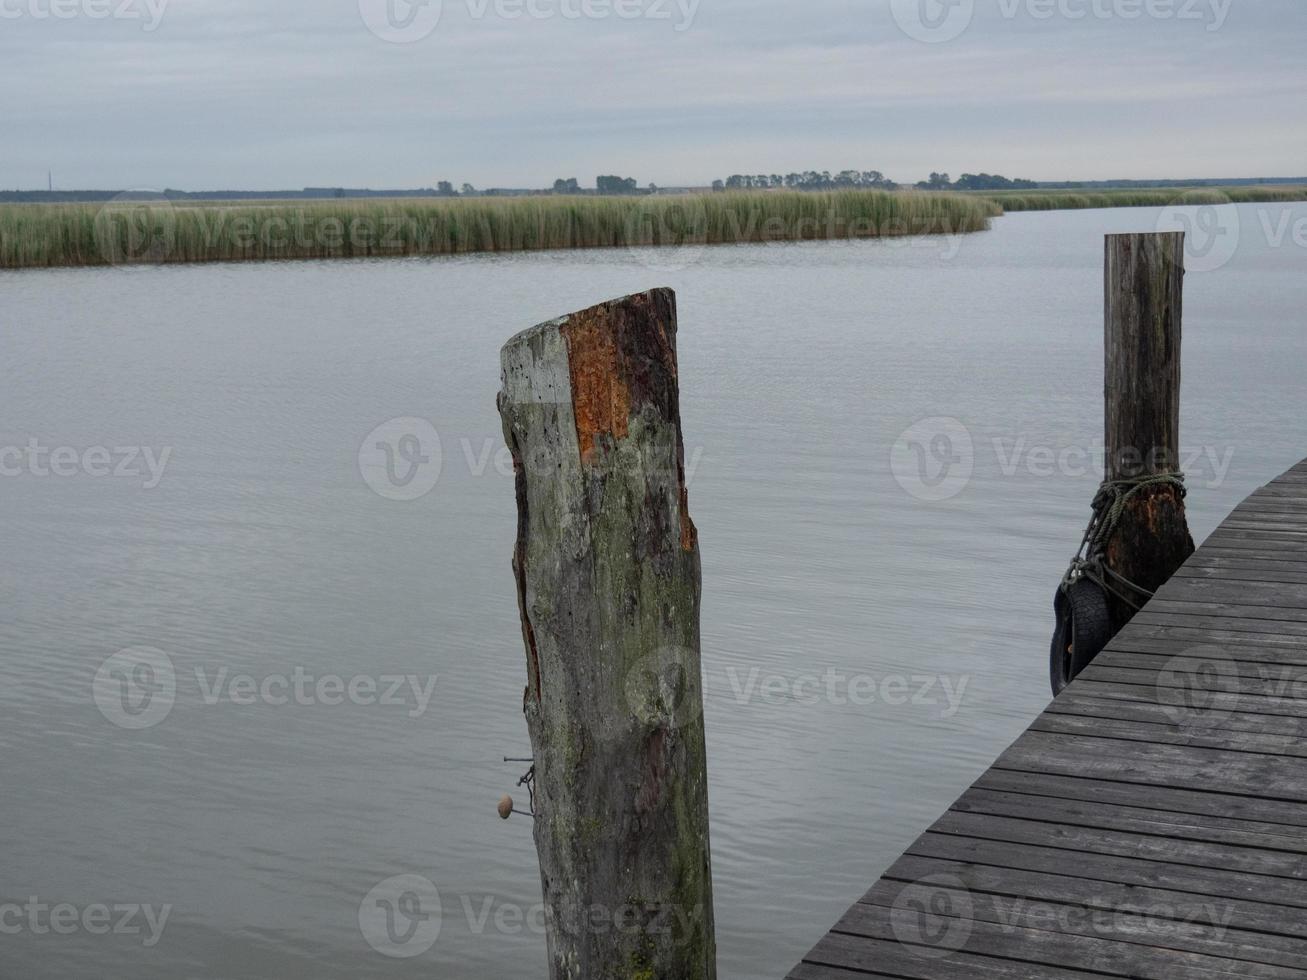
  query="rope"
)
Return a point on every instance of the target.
[{"x": 1109, "y": 504}]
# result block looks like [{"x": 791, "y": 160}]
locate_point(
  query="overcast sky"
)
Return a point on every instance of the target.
[{"x": 266, "y": 94}]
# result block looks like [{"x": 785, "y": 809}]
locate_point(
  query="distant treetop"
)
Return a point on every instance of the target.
[
  {"x": 824, "y": 180},
  {"x": 809, "y": 180},
  {"x": 975, "y": 182},
  {"x": 617, "y": 185}
]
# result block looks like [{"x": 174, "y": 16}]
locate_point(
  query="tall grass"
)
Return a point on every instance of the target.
[
  {"x": 1066, "y": 200},
  {"x": 144, "y": 230},
  {"x": 159, "y": 231}
]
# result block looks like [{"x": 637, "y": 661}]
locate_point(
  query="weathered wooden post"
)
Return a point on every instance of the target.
[
  {"x": 608, "y": 577},
  {"x": 1138, "y": 535},
  {"x": 1144, "y": 301}
]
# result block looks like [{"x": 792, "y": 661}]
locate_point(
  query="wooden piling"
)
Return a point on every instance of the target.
[
  {"x": 608, "y": 577},
  {"x": 1144, "y": 306}
]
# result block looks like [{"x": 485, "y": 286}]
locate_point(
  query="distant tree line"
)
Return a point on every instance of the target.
[
  {"x": 974, "y": 182},
  {"x": 443, "y": 189},
  {"x": 809, "y": 180},
  {"x": 812, "y": 180},
  {"x": 605, "y": 184}
]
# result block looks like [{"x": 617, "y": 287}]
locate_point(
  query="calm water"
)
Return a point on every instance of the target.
[{"x": 262, "y": 551}]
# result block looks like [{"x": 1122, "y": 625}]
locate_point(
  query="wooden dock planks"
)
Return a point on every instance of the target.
[{"x": 1152, "y": 822}]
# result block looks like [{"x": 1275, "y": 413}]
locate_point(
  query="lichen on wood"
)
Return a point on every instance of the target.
[{"x": 608, "y": 576}]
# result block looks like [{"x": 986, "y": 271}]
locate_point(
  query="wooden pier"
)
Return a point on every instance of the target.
[{"x": 1152, "y": 823}]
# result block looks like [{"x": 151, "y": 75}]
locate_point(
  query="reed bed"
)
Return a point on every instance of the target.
[
  {"x": 142, "y": 230},
  {"x": 145, "y": 230},
  {"x": 1067, "y": 200}
]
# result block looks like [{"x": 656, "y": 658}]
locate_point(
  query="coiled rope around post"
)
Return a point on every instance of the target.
[
  {"x": 1084, "y": 622},
  {"x": 1109, "y": 504}
]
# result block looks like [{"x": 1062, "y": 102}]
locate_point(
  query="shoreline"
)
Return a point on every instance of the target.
[{"x": 145, "y": 231}]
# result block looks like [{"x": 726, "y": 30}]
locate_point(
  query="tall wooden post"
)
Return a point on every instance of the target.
[
  {"x": 607, "y": 565},
  {"x": 1144, "y": 302}
]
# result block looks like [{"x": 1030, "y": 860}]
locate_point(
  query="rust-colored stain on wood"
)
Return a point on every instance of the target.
[
  {"x": 657, "y": 751},
  {"x": 689, "y": 533},
  {"x": 1152, "y": 508},
  {"x": 622, "y": 360},
  {"x": 601, "y": 400}
]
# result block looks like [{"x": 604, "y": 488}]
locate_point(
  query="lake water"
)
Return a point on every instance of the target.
[{"x": 829, "y": 588}]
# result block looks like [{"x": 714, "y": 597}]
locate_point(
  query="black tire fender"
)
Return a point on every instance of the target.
[{"x": 1083, "y": 629}]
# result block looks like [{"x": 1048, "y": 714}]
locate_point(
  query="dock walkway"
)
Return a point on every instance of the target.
[{"x": 1152, "y": 823}]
